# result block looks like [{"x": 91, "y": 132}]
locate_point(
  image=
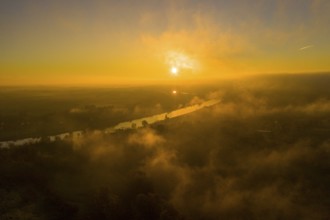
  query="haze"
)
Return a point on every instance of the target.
[
  {"x": 122, "y": 42},
  {"x": 164, "y": 110}
]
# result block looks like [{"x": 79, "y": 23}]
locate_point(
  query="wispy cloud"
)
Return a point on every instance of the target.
[{"x": 306, "y": 47}]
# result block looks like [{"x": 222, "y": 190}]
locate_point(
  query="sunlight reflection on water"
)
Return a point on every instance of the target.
[{"x": 134, "y": 124}]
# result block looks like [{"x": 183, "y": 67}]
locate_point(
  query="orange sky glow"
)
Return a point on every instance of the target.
[{"x": 115, "y": 42}]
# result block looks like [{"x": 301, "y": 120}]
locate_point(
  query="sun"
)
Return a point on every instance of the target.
[
  {"x": 174, "y": 71},
  {"x": 174, "y": 92}
]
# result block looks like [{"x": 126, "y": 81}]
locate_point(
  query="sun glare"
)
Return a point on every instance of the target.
[
  {"x": 174, "y": 92},
  {"x": 174, "y": 71}
]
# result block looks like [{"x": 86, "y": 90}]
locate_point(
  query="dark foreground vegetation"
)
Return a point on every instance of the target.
[{"x": 263, "y": 153}]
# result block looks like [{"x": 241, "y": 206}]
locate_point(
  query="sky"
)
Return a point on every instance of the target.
[{"x": 119, "y": 41}]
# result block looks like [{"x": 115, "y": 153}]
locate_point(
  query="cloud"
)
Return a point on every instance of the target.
[
  {"x": 200, "y": 45},
  {"x": 146, "y": 137},
  {"x": 306, "y": 47},
  {"x": 212, "y": 164}
]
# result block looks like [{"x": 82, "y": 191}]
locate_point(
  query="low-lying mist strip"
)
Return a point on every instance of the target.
[{"x": 134, "y": 124}]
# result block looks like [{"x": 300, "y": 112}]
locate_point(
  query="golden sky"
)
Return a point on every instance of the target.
[{"x": 109, "y": 42}]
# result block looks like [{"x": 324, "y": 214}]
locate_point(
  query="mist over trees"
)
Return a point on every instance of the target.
[{"x": 262, "y": 153}]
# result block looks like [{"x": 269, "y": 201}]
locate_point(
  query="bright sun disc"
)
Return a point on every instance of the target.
[
  {"x": 174, "y": 70},
  {"x": 174, "y": 92}
]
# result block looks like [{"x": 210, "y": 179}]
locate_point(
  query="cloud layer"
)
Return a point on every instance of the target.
[{"x": 256, "y": 155}]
